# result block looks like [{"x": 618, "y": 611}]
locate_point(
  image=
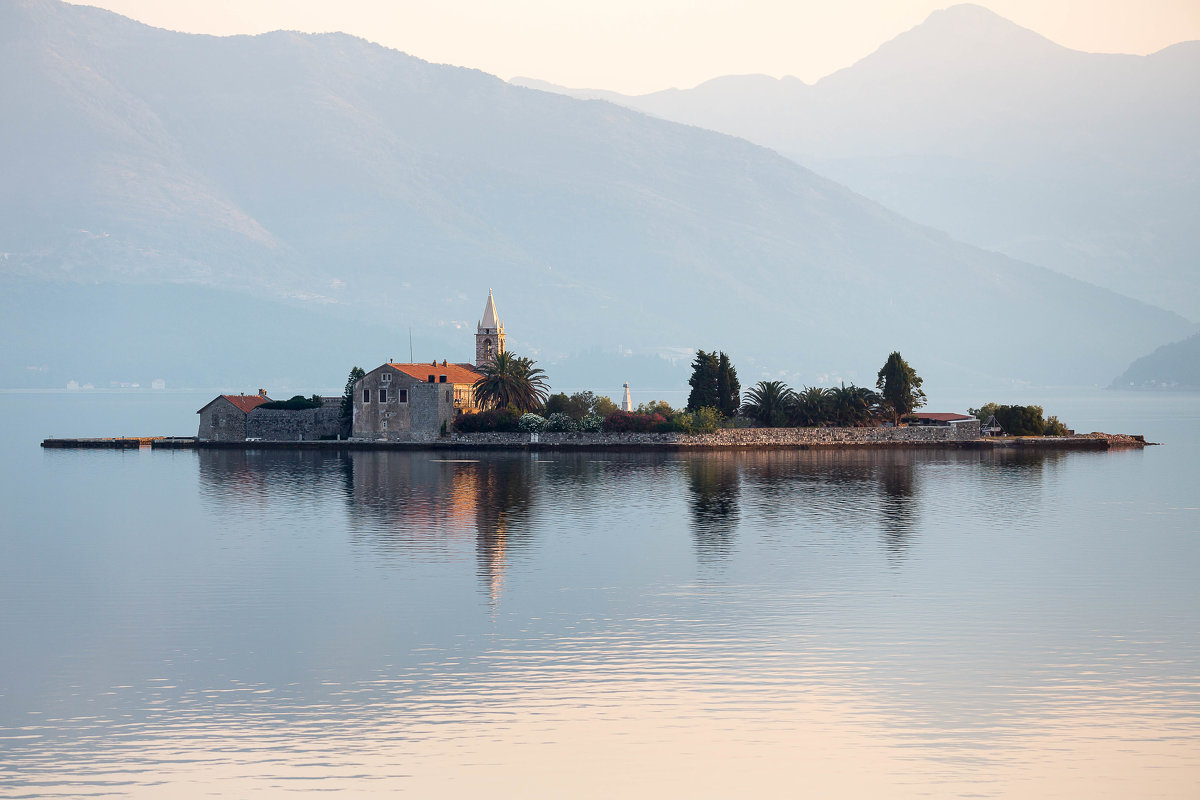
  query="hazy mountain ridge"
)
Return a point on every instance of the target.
[
  {"x": 1173, "y": 366},
  {"x": 337, "y": 172},
  {"x": 1081, "y": 162}
]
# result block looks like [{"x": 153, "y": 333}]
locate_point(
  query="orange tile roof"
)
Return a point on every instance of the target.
[
  {"x": 246, "y": 402},
  {"x": 455, "y": 373}
]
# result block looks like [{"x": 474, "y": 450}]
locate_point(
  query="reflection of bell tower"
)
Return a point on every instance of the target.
[{"x": 489, "y": 336}]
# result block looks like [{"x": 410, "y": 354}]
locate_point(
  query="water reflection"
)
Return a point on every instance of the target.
[
  {"x": 414, "y": 505},
  {"x": 883, "y": 613},
  {"x": 503, "y": 499},
  {"x": 405, "y": 505},
  {"x": 714, "y": 484},
  {"x": 897, "y": 509},
  {"x": 252, "y": 478}
]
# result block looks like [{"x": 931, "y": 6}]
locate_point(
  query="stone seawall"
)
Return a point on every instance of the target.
[
  {"x": 733, "y": 437},
  {"x": 724, "y": 439}
]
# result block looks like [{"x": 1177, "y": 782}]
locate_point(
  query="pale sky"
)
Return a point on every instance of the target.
[{"x": 638, "y": 46}]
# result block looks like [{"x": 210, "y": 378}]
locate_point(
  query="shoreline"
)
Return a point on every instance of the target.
[{"x": 1083, "y": 442}]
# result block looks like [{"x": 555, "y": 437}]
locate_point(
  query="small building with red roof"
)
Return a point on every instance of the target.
[{"x": 223, "y": 419}]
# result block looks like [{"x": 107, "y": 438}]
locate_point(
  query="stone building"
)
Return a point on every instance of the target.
[
  {"x": 412, "y": 402},
  {"x": 416, "y": 402},
  {"x": 223, "y": 419}
]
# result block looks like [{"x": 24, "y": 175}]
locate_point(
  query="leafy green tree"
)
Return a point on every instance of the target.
[
  {"x": 356, "y": 373},
  {"x": 810, "y": 408},
  {"x": 660, "y": 407},
  {"x": 1054, "y": 427},
  {"x": 704, "y": 382},
  {"x": 1021, "y": 420},
  {"x": 581, "y": 404},
  {"x": 900, "y": 387},
  {"x": 768, "y": 403},
  {"x": 513, "y": 381},
  {"x": 983, "y": 413},
  {"x": 558, "y": 403},
  {"x": 576, "y": 406},
  {"x": 729, "y": 391},
  {"x": 604, "y": 407}
]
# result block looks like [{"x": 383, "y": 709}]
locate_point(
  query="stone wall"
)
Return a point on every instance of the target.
[
  {"x": 735, "y": 437},
  {"x": 303, "y": 425}
]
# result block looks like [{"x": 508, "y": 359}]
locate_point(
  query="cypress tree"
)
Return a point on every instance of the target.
[
  {"x": 729, "y": 391},
  {"x": 900, "y": 387},
  {"x": 704, "y": 382}
]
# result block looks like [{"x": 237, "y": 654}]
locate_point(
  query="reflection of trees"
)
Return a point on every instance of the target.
[
  {"x": 715, "y": 485},
  {"x": 897, "y": 508}
]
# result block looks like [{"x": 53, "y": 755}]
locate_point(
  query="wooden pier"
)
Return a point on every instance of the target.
[{"x": 121, "y": 442}]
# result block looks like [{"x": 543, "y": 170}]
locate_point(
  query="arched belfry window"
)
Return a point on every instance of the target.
[{"x": 487, "y": 346}]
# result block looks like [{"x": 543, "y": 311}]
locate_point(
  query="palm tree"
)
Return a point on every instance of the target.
[
  {"x": 853, "y": 406},
  {"x": 511, "y": 380},
  {"x": 810, "y": 408},
  {"x": 767, "y": 403}
]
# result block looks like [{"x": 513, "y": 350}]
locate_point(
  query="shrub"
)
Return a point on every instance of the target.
[
  {"x": 560, "y": 422},
  {"x": 706, "y": 420},
  {"x": 500, "y": 420},
  {"x": 679, "y": 422},
  {"x": 591, "y": 424},
  {"x": 532, "y": 423},
  {"x": 628, "y": 422},
  {"x": 1054, "y": 427}
]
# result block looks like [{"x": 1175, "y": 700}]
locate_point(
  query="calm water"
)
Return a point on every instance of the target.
[{"x": 784, "y": 624}]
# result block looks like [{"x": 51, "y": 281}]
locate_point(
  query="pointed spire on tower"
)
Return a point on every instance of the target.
[{"x": 491, "y": 320}]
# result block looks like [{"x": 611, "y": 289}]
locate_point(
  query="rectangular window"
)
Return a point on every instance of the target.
[
  {"x": 403, "y": 398},
  {"x": 385, "y": 377},
  {"x": 431, "y": 379},
  {"x": 383, "y": 395},
  {"x": 366, "y": 395},
  {"x": 441, "y": 379}
]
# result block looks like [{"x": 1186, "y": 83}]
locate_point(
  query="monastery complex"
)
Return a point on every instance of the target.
[{"x": 393, "y": 402}]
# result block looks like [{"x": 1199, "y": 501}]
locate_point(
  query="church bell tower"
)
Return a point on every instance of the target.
[{"x": 489, "y": 336}]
